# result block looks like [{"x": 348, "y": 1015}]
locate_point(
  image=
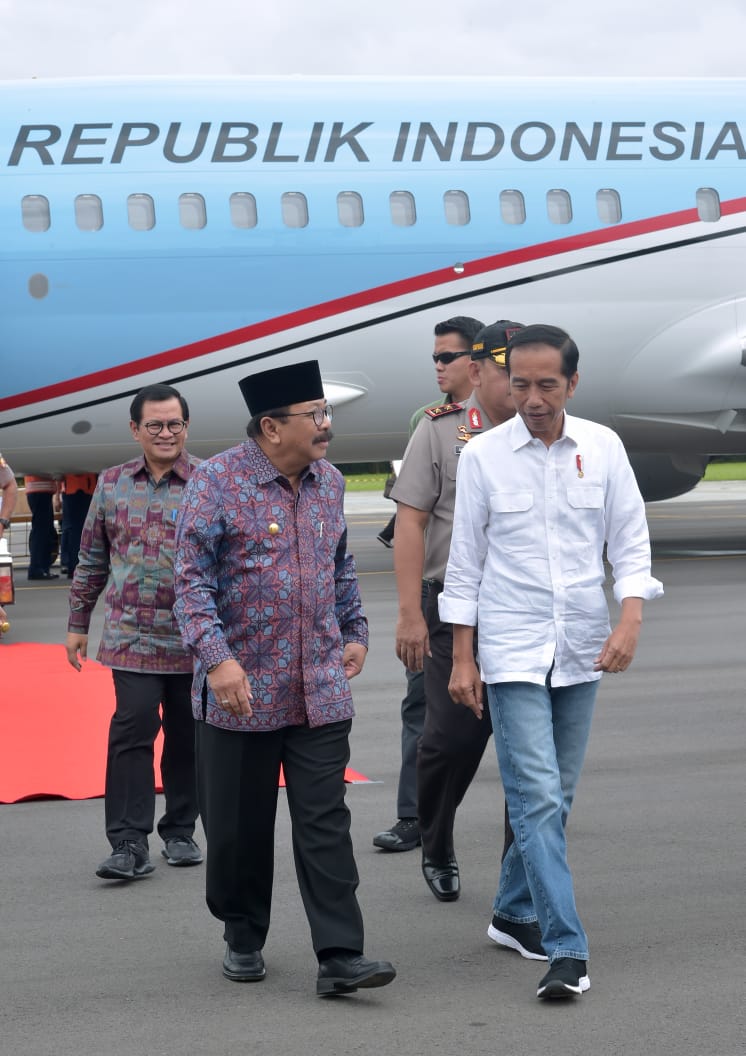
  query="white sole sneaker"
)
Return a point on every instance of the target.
[{"x": 503, "y": 939}]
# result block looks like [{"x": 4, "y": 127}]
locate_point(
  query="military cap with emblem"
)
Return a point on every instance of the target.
[{"x": 492, "y": 340}]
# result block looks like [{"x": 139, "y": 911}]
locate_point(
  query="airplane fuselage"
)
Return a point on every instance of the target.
[{"x": 193, "y": 231}]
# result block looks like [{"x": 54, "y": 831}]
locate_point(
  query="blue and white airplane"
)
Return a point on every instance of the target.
[{"x": 192, "y": 231}]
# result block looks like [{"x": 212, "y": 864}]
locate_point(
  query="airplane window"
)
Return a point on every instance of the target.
[
  {"x": 456, "y": 205},
  {"x": 512, "y": 207},
  {"x": 403, "y": 212},
  {"x": 608, "y": 206},
  {"x": 243, "y": 209},
  {"x": 89, "y": 213},
  {"x": 141, "y": 212},
  {"x": 559, "y": 207},
  {"x": 708, "y": 204},
  {"x": 192, "y": 212},
  {"x": 38, "y": 286},
  {"x": 350, "y": 209},
  {"x": 294, "y": 209},
  {"x": 35, "y": 212}
]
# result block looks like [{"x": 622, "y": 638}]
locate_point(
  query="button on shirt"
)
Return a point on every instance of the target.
[
  {"x": 281, "y": 600},
  {"x": 526, "y": 559},
  {"x": 127, "y": 548}
]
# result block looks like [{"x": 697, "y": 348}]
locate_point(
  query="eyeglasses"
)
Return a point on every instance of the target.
[
  {"x": 448, "y": 357},
  {"x": 175, "y": 426},
  {"x": 319, "y": 414}
]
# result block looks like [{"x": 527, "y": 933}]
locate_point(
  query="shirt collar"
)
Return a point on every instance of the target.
[
  {"x": 266, "y": 470},
  {"x": 182, "y": 467},
  {"x": 520, "y": 435}
]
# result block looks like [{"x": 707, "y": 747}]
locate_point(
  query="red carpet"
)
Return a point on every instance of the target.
[{"x": 54, "y": 723}]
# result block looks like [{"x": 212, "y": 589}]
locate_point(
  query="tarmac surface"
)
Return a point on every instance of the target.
[{"x": 656, "y": 845}]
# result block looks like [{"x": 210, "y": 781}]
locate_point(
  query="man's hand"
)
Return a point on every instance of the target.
[
  {"x": 465, "y": 686},
  {"x": 231, "y": 688},
  {"x": 618, "y": 651},
  {"x": 353, "y": 658},
  {"x": 412, "y": 641},
  {"x": 76, "y": 646}
]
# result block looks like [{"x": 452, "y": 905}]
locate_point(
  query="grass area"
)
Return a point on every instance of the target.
[
  {"x": 366, "y": 482},
  {"x": 726, "y": 471},
  {"x": 715, "y": 471}
]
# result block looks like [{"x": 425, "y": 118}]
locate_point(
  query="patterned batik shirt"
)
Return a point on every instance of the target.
[
  {"x": 127, "y": 548},
  {"x": 263, "y": 576}
]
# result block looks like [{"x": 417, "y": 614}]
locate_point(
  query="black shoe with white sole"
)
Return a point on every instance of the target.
[
  {"x": 523, "y": 938},
  {"x": 566, "y": 978}
]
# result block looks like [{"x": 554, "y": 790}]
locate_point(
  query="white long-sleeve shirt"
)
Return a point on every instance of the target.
[{"x": 526, "y": 559}]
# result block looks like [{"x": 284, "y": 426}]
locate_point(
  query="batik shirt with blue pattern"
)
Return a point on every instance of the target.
[{"x": 263, "y": 576}]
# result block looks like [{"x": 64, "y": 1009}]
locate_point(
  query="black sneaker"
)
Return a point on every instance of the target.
[
  {"x": 181, "y": 850},
  {"x": 129, "y": 861},
  {"x": 566, "y": 978},
  {"x": 387, "y": 542},
  {"x": 524, "y": 938},
  {"x": 403, "y": 836}
]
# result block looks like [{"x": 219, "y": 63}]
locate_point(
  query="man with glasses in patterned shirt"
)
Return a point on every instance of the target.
[
  {"x": 268, "y": 601},
  {"x": 127, "y": 550}
]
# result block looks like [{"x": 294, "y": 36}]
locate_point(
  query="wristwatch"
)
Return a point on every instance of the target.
[{"x": 5, "y": 522}]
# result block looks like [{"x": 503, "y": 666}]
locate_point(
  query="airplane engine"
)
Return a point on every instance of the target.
[{"x": 666, "y": 476}]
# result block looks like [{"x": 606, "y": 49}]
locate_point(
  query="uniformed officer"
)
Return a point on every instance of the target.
[
  {"x": 452, "y": 742},
  {"x": 9, "y": 490},
  {"x": 452, "y": 347}
]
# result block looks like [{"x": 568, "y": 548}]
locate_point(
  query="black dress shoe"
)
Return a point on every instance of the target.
[
  {"x": 344, "y": 973},
  {"x": 403, "y": 836},
  {"x": 44, "y": 575},
  {"x": 243, "y": 967},
  {"x": 129, "y": 860},
  {"x": 442, "y": 879}
]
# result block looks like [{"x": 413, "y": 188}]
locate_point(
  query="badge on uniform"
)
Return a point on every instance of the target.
[
  {"x": 475, "y": 418},
  {"x": 444, "y": 408},
  {"x": 463, "y": 434}
]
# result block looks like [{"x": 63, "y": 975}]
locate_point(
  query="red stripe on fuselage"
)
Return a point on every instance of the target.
[{"x": 363, "y": 299}]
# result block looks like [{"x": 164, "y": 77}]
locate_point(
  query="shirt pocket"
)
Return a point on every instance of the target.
[
  {"x": 511, "y": 512},
  {"x": 585, "y": 527}
]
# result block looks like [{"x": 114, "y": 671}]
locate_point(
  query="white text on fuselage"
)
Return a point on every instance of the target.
[{"x": 237, "y": 142}]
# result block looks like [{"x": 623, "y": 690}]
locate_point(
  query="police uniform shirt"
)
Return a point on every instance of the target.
[{"x": 427, "y": 478}]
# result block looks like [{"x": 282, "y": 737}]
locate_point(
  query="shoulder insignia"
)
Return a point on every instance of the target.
[{"x": 443, "y": 409}]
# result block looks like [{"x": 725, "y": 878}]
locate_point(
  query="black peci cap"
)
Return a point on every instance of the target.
[{"x": 281, "y": 386}]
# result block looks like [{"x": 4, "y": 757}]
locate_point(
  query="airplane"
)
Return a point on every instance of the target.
[{"x": 195, "y": 230}]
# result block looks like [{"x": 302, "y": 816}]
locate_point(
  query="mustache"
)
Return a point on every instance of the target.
[{"x": 325, "y": 437}]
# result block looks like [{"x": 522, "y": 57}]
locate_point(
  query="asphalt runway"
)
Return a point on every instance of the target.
[{"x": 656, "y": 845}]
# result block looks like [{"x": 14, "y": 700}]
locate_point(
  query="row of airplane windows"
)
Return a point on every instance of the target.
[{"x": 141, "y": 214}]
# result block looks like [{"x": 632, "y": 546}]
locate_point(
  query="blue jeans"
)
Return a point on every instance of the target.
[{"x": 541, "y": 735}]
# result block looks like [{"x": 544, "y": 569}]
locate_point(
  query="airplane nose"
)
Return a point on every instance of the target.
[{"x": 699, "y": 361}]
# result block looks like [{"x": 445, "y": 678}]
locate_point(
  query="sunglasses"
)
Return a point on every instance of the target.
[{"x": 448, "y": 357}]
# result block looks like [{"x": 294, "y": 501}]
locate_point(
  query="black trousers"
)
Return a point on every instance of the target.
[
  {"x": 130, "y": 783},
  {"x": 42, "y": 539},
  {"x": 238, "y": 776},
  {"x": 452, "y": 743}
]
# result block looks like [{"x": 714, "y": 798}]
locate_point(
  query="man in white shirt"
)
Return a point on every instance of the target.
[{"x": 537, "y": 498}]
